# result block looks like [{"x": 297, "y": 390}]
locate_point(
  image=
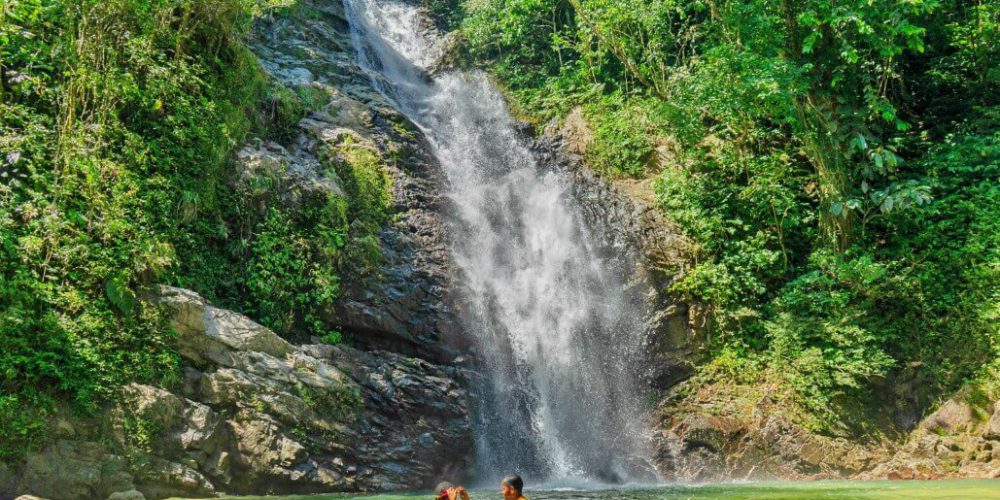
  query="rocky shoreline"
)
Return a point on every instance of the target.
[
  {"x": 724, "y": 433},
  {"x": 256, "y": 414}
]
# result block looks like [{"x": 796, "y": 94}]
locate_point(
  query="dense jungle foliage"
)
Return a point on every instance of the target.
[
  {"x": 837, "y": 163},
  {"x": 118, "y": 122}
]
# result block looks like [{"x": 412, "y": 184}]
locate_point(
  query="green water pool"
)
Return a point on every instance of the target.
[{"x": 832, "y": 490}]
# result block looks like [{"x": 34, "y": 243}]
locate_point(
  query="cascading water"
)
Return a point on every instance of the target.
[{"x": 561, "y": 399}]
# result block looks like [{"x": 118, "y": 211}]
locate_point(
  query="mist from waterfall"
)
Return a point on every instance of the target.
[{"x": 560, "y": 399}]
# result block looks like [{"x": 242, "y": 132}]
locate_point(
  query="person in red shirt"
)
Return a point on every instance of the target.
[{"x": 448, "y": 491}]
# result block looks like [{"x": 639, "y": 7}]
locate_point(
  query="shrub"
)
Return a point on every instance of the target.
[{"x": 117, "y": 119}]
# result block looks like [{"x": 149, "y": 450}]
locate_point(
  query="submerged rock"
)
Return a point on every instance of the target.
[{"x": 127, "y": 495}]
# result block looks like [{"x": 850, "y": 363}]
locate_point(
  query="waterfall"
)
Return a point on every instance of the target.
[{"x": 560, "y": 399}]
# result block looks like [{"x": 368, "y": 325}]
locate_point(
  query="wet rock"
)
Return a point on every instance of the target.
[
  {"x": 708, "y": 431},
  {"x": 448, "y": 54},
  {"x": 411, "y": 307}
]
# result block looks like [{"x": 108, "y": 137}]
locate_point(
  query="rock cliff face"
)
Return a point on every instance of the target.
[
  {"x": 706, "y": 432},
  {"x": 959, "y": 439},
  {"x": 410, "y": 309},
  {"x": 713, "y": 433}
]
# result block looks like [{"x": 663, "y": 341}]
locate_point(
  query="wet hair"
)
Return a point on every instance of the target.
[
  {"x": 443, "y": 486},
  {"x": 514, "y": 481}
]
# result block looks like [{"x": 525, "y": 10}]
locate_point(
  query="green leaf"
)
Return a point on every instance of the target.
[
  {"x": 887, "y": 204},
  {"x": 120, "y": 295}
]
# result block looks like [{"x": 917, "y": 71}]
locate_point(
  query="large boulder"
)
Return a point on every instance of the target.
[
  {"x": 209, "y": 334},
  {"x": 127, "y": 495},
  {"x": 953, "y": 415},
  {"x": 958, "y": 439},
  {"x": 307, "y": 418},
  {"x": 67, "y": 469},
  {"x": 721, "y": 432}
]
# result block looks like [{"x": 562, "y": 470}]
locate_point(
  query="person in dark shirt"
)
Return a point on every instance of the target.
[{"x": 512, "y": 488}]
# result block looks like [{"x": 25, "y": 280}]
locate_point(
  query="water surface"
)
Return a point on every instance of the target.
[{"x": 830, "y": 490}]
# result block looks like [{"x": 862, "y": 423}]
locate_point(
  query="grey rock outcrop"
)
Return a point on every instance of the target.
[
  {"x": 723, "y": 431},
  {"x": 993, "y": 424},
  {"x": 696, "y": 446},
  {"x": 958, "y": 439},
  {"x": 74, "y": 469},
  {"x": 314, "y": 417},
  {"x": 256, "y": 414}
]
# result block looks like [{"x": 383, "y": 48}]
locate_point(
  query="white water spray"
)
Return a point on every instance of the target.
[{"x": 559, "y": 342}]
